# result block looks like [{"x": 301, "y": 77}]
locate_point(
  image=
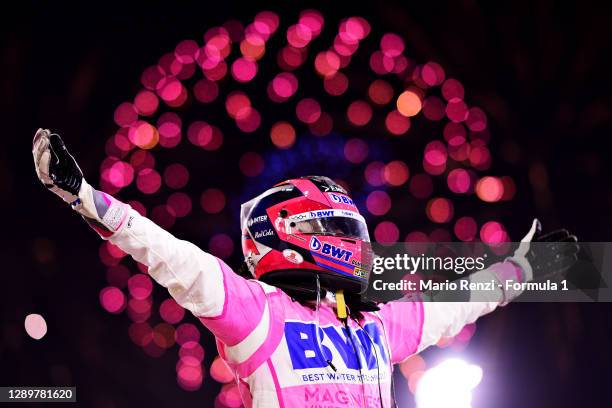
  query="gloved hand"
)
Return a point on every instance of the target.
[
  {"x": 543, "y": 256},
  {"x": 59, "y": 172},
  {"x": 55, "y": 166}
]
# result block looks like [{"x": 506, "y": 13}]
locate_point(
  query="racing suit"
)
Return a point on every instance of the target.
[{"x": 268, "y": 339}]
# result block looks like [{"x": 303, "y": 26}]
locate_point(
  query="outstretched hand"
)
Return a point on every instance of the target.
[
  {"x": 55, "y": 166},
  {"x": 547, "y": 254},
  {"x": 60, "y": 173}
]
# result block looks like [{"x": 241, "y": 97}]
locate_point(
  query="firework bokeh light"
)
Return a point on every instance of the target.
[{"x": 36, "y": 326}]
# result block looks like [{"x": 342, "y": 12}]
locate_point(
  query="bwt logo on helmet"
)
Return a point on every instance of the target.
[
  {"x": 256, "y": 220},
  {"x": 322, "y": 213},
  {"x": 341, "y": 199},
  {"x": 329, "y": 249}
]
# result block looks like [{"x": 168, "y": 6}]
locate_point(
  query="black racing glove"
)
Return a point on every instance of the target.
[
  {"x": 60, "y": 173},
  {"x": 545, "y": 255},
  {"x": 55, "y": 166}
]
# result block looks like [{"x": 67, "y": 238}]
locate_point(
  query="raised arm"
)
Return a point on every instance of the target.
[
  {"x": 229, "y": 305},
  {"x": 414, "y": 326}
]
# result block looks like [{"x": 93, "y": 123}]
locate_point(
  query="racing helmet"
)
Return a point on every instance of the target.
[{"x": 303, "y": 228}]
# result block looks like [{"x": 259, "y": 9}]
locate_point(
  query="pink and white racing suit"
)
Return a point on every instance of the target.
[{"x": 269, "y": 340}]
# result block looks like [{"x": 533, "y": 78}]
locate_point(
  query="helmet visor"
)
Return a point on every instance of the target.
[{"x": 345, "y": 227}]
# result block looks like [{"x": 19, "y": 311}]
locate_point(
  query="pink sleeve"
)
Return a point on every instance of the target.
[{"x": 243, "y": 308}]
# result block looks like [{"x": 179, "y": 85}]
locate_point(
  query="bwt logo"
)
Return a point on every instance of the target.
[
  {"x": 306, "y": 353},
  {"x": 341, "y": 199},
  {"x": 315, "y": 244},
  {"x": 329, "y": 249},
  {"x": 322, "y": 213}
]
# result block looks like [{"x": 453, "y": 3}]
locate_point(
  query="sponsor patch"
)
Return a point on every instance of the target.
[
  {"x": 257, "y": 220},
  {"x": 293, "y": 256},
  {"x": 322, "y": 213},
  {"x": 356, "y": 263},
  {"x": 309, "y": 215},
  {"x": 114, "y": 216},
  {"x": 305, "y": 353},
  {"x": 340, "y": 199},
  {"x": 360, "y": 272},
  {"x": 264, "y": 233},
  {"x": 330, "y": 250},
  {"x": 299, "y": 217},
  {"x": 326, "y": 185}
]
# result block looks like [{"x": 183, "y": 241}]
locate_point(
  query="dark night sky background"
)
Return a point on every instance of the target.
[{"x": 541, "y": 71}]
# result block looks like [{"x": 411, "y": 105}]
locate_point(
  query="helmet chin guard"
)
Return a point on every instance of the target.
[{"x": 303, "y": 228}]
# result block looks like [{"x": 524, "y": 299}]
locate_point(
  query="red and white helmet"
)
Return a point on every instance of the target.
[{"x": 302, "y": 228}]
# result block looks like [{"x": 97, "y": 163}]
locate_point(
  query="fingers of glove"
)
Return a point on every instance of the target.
[
  {"x": 567, "y": 244},
  {"x": 39, "y": 145},
  {"x": 538, "y": 229},
  {"x": 570, "y": 245},
  {"x": 556, "y": 249},
  {"x": 58, "y": 148},
  {"x": 40, "y": 151},
  {"x": 571, "y": 249},
  {"x": 40, "y": 134},
  {"x": 535, "y": 229},
  {"x": 72, "y": 183},
  {"x": 42, "y": 169},
  {"x": 62, "y": 155},
  {"x": 548, "y": 253},
  {"x": 555, "y": 266},
  {"x": 565, "y": 262},
  {"x": 567, "y": 254},
  {"x": 554, "y": 236},
  {"x": 567, "y": 250},
  {"x": 524, "y": 247}
]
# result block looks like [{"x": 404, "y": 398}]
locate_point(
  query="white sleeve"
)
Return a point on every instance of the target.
[
  {"x": 446, "y": 319},
  {"x": 192, "y": 276}
]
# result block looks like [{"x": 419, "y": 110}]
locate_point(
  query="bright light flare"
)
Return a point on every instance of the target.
[{"x": 448, "y": 385}]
